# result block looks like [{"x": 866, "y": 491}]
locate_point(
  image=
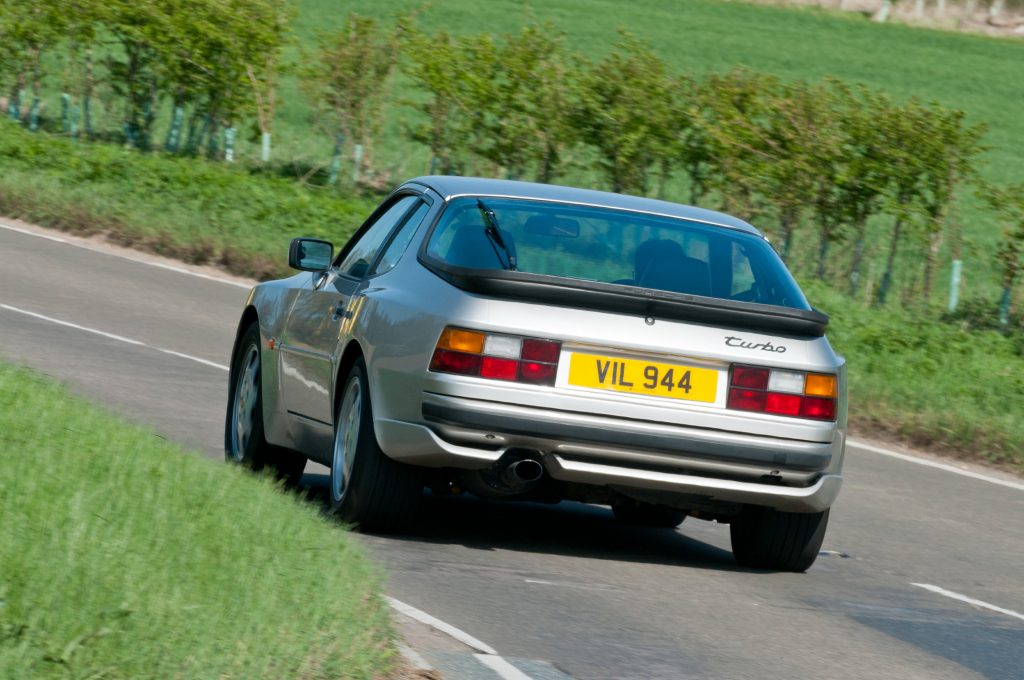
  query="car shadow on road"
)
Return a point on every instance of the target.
[{"x": 567, "y": 528}]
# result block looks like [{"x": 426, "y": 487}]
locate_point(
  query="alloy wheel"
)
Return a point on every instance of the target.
[{"x": 346, "y": 439}]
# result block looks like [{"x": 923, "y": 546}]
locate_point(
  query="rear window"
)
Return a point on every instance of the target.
[{"x": 616, "y": 247}]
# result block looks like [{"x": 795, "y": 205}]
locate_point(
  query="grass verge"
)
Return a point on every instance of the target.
[
  {"x": 928, "y": 383},
  {"x": 191, "y": 209},
  {"x": 123, "y": 557}
]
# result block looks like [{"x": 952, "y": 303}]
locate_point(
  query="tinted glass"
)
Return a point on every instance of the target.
[
  {"x": 400, "y": 242},
  {"x": 617, "y": 247},
  {"x": 358, "y": 260}
]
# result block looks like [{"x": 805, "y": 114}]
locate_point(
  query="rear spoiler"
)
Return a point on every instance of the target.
[{"x": 633, "y": 300}]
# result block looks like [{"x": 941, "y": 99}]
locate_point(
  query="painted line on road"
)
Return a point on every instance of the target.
[
  {"x": 446, "y": 628},
  {"x": 502, "y": 667},
  {"x": 485, "y": 654},
  {"x": 969, "y": 600},
  {"x": 149, "y": 263},
  {"x": 112, "y": 336},
  {"x": 11, "y": 227},
  {"x": 933, "y": 464}
]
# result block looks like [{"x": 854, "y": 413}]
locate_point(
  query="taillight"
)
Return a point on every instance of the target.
[
  {"x": 496, "y": 356},
  {"x": 783, "y": 393}
]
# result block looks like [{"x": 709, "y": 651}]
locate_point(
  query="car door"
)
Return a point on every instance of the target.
[{"x": 315, "y": 325}]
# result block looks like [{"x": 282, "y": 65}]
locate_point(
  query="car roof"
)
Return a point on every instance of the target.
[{"x": 450, "y": 186}]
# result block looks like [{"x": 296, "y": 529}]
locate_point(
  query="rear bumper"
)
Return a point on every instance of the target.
[{"x": 468, "y": 433}]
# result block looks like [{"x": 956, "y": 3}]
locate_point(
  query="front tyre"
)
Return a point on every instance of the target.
[
  {"x": 368, "y": 489},
  {"x": 244, "y": 441},
  {"x": 763, "y": 538}
]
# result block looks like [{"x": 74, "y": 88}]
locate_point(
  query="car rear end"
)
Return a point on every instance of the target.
[
  {"x": 666, "y": 410},
  {"x": 661, "y": 358}
]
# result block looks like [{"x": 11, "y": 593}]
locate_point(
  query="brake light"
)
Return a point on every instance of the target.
[
  {"x": 784, "y": 393},
  {"x": 496, "y": 356}
]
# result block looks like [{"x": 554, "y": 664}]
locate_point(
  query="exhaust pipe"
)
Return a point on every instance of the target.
[
  {"x": 522, "y": 472},
  {"x": 515, "y": 474}
]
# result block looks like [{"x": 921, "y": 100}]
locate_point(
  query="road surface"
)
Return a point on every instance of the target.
[{"x": 924, "y": 575}]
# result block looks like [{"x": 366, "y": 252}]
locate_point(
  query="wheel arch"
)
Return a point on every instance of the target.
[{"x": 353, "y": 351}]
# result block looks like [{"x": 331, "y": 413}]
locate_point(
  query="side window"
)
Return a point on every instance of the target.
[
  {"x": 400, "y": 242},
  {"x": 358, "y": 260}
]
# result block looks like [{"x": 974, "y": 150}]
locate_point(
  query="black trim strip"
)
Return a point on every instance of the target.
[
  {"x": 313, "y": 420},
  {"x": 571, "y": 433},
  {"x": 607, "y": 297}
]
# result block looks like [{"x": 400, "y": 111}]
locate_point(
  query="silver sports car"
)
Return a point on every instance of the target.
[{"x": 526, "y": 341}]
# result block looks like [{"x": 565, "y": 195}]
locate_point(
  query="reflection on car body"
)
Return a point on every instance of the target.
[{"x": 528, "y": 341}]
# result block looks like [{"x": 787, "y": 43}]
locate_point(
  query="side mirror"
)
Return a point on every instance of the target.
[{"x": 310, "y": 254}]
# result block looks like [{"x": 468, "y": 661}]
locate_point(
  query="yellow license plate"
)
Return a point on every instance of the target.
[{"x": 639, "y": 376}]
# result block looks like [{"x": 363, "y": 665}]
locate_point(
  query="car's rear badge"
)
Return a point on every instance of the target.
[{"x": 733, "y": 341}]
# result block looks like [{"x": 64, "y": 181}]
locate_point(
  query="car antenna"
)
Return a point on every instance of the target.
[{"x": 493, "y": 232}]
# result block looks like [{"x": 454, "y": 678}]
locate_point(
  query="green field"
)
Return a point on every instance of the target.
[
  {"x": 977, "y": 74},
  {"x": 121, "y": 556}
]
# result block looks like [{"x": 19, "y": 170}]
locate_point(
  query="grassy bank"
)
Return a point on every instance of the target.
[
  {"x": 197, "y": 211},
  {"x": 928, "y": 383},
  {"x": 123, "y": 557}
]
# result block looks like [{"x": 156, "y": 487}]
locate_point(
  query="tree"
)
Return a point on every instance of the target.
[
  {"x": 626, "y": 113},
  {"x": 949, "y": 148},
  {"x": 1008, "y": 202},
  {"x": 141, "y": 31},
  {"x": 348, "y": 79},
  {"x": 27, "y": 30},
  {"x": 523, "y": 98},
  {"x": 695, "y": 143},
  {"x": 864, "y": 173},
  {"x": 902, "y": 127}
]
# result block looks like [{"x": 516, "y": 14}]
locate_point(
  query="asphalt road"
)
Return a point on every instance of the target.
[{"x": 566, "y": 584}]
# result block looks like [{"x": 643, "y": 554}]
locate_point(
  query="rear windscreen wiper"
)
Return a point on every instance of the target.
[{"x": 493, "y": 233}]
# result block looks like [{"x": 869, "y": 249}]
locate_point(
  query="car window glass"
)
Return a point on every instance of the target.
[
  {"x": 400, "y": 242},
  {"x": 615, "y": 246},
  {"x": 358, "y": 260}
]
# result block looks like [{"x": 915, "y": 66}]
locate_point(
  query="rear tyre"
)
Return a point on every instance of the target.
[
  {"x": 648, "y": 514},
  {"x": 763, "y": 538},
  {"x": 368, "y": 489},
  {"x": 244, "y": 441}
]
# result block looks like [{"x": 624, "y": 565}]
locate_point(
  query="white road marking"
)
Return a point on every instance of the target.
[
  {"x": 11, "y": 227},
  {"x": 446, "y": 628},
  {"x": 112, "y": 336},
  {"x": 933, "y": 464},
  {"x": 569, "y": 584},
  {"x": 486, "y": 654},
  {"x": 968, "y": 600},
  {"x": 502, "y": 667},
  {"x": 414, "y": 658},
  {"x": 149, "y": 263}
]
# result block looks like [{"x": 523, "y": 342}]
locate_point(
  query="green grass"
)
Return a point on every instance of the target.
[
  {"x": 199, "y": 211},
  {"x": 934, "y": 384},
  {"x": 121, "y": 556}
]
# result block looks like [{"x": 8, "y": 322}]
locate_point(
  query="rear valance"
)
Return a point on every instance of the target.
[{"x": 606, "y": 297}]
